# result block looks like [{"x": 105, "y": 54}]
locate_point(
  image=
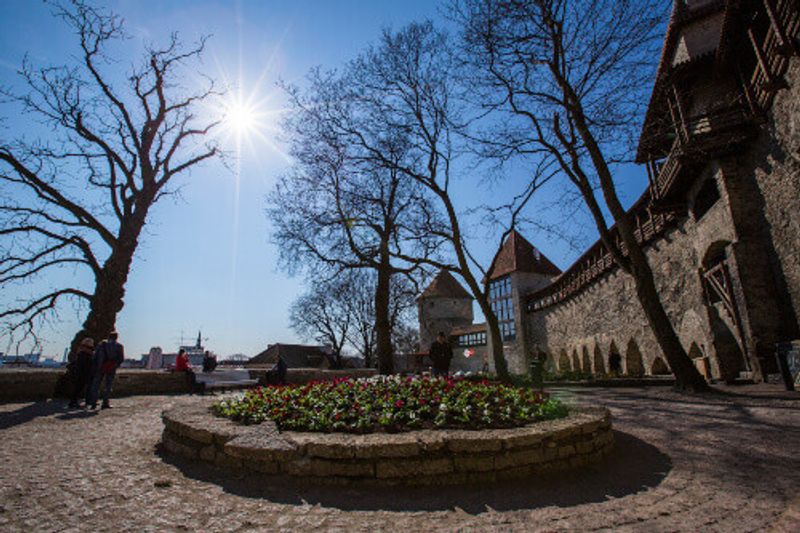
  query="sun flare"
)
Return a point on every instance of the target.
[{"x": 240, "y": 118}]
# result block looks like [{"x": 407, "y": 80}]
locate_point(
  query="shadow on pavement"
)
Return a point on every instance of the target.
[
  {"x": 633, "y": 466},
  {"x": 32, "y": 411}
]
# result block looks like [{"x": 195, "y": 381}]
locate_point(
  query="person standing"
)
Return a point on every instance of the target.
[
  {"x": 441, "y": 353},
  {"x": 108, "y": 356},
  {"x": 82, "y": 372},
  {"x": 209, "y": 362}
]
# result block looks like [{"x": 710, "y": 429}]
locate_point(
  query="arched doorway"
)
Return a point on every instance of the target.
[
  {"x": 700, "y": 360},
  {"x": 599, "y": 365},
  {"x": 659, "y": 368},
  {"x": 576, "y": 362},
  {"x": 563, "y": 362},
  {"x": 549, "y": 364},
  {"x": 586, "y": 363},
  {"x": 634, "y": 365},
  {"x": 614, "y": 359},
  {"x": 723, "y": 312}
]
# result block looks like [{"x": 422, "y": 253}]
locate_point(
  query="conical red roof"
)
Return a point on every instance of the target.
[
  {"x": 444, "y": 285},
  {"x": 518, "y": 255}
]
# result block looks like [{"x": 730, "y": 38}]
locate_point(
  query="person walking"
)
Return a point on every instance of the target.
[
  {"x": 82, "y": 372},
  {"x": 441, "y": 353},
  {"x": 108, "y": 356}
]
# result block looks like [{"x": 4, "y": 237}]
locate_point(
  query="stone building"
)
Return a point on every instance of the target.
[{"x": 720, "y": 218}]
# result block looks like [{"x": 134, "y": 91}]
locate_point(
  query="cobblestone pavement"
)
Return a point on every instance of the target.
[{"x": 724, "y": 462}]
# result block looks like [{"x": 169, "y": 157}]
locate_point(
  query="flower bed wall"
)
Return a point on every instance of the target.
[{"x": 415, "y": 458}]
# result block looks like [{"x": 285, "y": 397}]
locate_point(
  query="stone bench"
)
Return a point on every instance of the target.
[
  {"x": 425, "y": 457},
  {"x": 224, "y": 380}
]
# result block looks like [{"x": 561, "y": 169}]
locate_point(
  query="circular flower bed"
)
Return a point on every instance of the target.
[{"x": 392, "y": 404}]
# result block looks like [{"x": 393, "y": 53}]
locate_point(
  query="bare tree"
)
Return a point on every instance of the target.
[
  {"x": 341, "y": 311},
  {"x": 340, "y": 209},
  {"x": 575, "y": 75},
  {"x": 323, "y": 314},
  {"x": 408, "y": 87},
  {"x": 80, "y": 197}
]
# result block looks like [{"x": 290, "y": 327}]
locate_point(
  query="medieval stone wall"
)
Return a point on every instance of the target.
[
  {"x": 581, "y": 333},
  {"x": 777, "y": 171},
  {"x": 755, "y": 226}
]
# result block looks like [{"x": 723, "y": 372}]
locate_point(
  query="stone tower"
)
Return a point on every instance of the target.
[
  {"x": 518, "y": 269},
  {"x": 444, "y": 305}
]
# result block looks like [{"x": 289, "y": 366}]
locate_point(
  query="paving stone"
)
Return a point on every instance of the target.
[{"x": 681, "y": 463}]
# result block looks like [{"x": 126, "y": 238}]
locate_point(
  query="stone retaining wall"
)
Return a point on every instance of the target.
[
  {"x": 414, "y": 458},
  {"x": 41, "y": 383},
  {"x": 305, "y": 375}
]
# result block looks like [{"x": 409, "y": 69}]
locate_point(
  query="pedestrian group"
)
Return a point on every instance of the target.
[{"x": 95, "y": 366}]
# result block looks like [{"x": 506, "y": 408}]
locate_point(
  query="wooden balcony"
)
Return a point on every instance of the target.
[{"x": 774, "y": 52}]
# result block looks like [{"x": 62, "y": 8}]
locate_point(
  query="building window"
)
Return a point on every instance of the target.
[
  {"x": 503, "y": 307},
  {"x": 472, "y": 339}
]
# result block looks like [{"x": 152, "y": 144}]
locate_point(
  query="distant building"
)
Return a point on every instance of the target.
[
  {"x": 28, "y": 359},
  {"x": 294, "y": 355},
  {"x": 156, "y": 358},
  {"x": 445, "y": 306}
]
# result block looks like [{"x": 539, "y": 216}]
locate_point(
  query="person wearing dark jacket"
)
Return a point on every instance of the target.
[
  {"x": 209, "y": 362},
  {"x": 81, "y": 369},
  {"x": 277, "y": 374},
  {"x": 108, "y": 356},
  {"x": 441, "y": 353}
]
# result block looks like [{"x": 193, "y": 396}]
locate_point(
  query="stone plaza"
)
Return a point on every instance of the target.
[{"x": 721, "y": 462}]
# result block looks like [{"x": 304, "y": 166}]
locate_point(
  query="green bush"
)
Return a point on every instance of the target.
[{"x": 391, "y": 404}]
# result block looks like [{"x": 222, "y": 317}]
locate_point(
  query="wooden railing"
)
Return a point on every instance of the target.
[
  {"x": 775, "y": 59},
  {"x": 596, "y": 261}
]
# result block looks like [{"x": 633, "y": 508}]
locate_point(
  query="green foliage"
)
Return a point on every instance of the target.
[{"x": 392, "y": 404}]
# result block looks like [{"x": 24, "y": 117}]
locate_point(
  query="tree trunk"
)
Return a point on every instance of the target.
[
  {"x": 383, "y": 328},
  {"x": 500, "y": 365},
  {"x": 109, "y": 292},
  {"x": 498, "y": 355}
]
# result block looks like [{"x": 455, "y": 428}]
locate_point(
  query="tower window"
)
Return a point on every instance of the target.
[{"x": 503, "y": 306}]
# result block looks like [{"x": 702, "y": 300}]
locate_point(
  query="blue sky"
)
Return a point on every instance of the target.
[{"x": 206, "y": 260}]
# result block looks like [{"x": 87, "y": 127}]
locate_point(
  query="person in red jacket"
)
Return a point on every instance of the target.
[
  {"x": 182, "y": 362},
  {"x": 182, "y": 365}
]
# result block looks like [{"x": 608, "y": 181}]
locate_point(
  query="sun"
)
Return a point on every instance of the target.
[{"x": 241, "y": 119}]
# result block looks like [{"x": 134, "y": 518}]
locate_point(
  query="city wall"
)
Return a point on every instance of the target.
[
  {"x": 40, "y": 383},
  {"x": 755, "y": 223}
]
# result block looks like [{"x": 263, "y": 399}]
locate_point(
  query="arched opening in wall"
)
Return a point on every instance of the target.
[
  {"x": 563, "y": 362},
  {"x": 599, "y": 365},
  {"x": 723, "y": 312},
  {"x": 700, "y": 360},
  {"x": 547, "y": 361},
  {"x": 614, "y": 359},
  {"x": 633, "y": 360},
  {"x": 586, "y": 362},
  {"x": 576, "y": 362},
  {"x": 660, "y": 368}
]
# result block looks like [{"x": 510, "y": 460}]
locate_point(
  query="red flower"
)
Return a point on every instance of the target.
[{"x": 399, "y": 403}]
